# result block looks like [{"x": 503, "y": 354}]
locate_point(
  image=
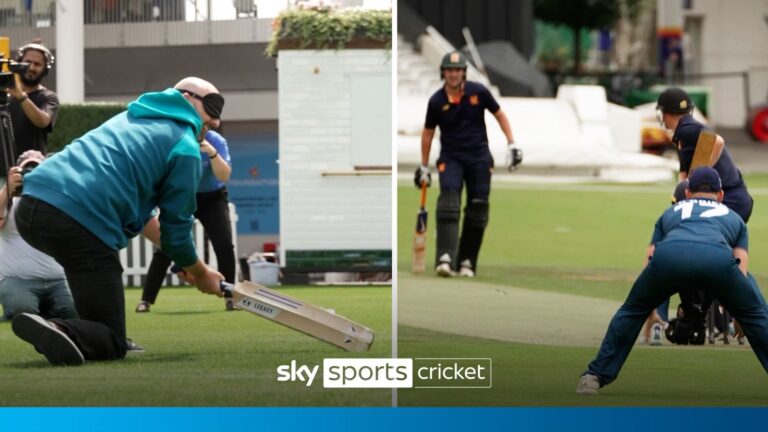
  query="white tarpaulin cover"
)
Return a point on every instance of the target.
[{"x": 577, "y": 130}]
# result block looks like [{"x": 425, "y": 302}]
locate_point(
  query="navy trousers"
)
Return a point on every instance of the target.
[{"x": 683, "y": 265}]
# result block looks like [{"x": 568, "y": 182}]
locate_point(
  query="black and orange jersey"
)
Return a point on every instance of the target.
[{"x": 461, "y": 121}]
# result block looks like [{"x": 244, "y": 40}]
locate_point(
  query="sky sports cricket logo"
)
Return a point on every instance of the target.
[{"x": 392, "y": 373}]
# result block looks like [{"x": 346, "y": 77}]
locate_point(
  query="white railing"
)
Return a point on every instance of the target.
[
  {"x": 42, "y": 13},
  {"x": 136, "y": 257}
]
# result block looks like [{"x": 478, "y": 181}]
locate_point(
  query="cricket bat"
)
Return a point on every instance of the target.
[
  {"x": 309, "y": 319},
  {"x": 418, "y": 263},
  {"x": 704, "y": 148}
]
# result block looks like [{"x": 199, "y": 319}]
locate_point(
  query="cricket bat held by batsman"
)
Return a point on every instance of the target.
[
  {"x": 418, "y": 263},
  {"x": 704, "y": 148},
  {"x": 298, "y": 315}
]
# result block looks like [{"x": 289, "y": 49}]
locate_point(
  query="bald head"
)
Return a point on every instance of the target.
[{"x": 197, "y": 85}]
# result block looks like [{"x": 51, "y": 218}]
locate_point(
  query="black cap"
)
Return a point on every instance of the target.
[
  {"x": 704, "y": 179},
  {"x": 679, "y": 193},
  {"x": 674, "y": 101}
]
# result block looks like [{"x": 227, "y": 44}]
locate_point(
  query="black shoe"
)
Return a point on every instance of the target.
[
  {"x": 142, "y": 307},
  {"x": 132, "y": 346},
  {"x": 56, "y": 346}
]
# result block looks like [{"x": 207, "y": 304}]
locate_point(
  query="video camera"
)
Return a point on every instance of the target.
[{"x": 14, "y": 67}]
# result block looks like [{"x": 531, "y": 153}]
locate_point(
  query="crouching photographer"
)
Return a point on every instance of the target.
[{"x": 30, "y": 281}]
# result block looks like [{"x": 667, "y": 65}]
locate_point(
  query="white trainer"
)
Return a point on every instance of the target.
[
  {"x": 656, "y": 331},
  {"x": 588, "y": 385},
  {"x": 444, "y": 270},
  {"x": 465, "y": 269}
]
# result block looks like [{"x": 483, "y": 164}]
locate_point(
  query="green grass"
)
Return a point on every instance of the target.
[
  {"x": 589, "y": 241},
  {"x": 540, "y": 375},
  {"x": 199, "y": 355}
]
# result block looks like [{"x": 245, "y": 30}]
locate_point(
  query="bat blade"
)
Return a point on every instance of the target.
[
  {"x": 304, "y": 317},
  {"x": 418, "y": 261},
  {"x": 704, "y": 148}
]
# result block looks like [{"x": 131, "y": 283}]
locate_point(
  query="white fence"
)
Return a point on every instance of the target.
[{"x": 136, "y": 257}]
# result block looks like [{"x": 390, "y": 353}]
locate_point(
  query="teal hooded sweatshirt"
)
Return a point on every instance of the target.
[{"x": 110, "y": 179}]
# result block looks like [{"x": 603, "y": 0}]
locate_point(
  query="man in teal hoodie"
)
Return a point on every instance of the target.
[{"x": 82, "y": 205}]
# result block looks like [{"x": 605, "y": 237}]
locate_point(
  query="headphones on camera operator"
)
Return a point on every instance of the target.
[
  {"x": 18, "y": 66},
  {"x": 49, "y": 58}
]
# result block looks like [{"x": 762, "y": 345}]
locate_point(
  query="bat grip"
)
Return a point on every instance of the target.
[
  {"x": 423, "y": 197},
  {"x": 225, "y": 286}
]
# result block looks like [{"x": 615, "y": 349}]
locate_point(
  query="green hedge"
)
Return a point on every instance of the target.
[
  {"x": 73, "y": 121},
  {"x": 328, "y": 29}
]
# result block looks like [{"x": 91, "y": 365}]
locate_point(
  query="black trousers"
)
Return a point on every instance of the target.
[
  {"x": 93, "y": 272},
  {"x": 213, "y": 213}
]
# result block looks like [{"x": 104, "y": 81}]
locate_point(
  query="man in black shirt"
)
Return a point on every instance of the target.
[
  {"x": 458, "y": 109},
  {"x": 32, "y": 107}
]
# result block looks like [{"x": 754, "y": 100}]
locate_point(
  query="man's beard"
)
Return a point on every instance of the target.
[{"x": 31, "y": 82}]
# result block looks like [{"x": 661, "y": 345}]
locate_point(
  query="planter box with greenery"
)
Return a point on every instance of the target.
[{"x": 329, "y": 29}]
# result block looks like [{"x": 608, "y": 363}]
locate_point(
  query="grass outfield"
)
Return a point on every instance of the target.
[
  {"x": 197, "y": 354},
  {"x": 545, "y": 375},
  {"x": 557, "y": 261}
]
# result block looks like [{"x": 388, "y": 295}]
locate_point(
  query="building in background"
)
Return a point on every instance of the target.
[{"x": 134, "y": 46}]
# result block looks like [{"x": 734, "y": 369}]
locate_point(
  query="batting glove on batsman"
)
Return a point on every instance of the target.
[
  {"x": 514, "y": 157},
  {"x": 422, "y": 175}
]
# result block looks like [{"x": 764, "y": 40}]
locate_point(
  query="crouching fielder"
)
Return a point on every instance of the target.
[{"x": 697, "y": 243}]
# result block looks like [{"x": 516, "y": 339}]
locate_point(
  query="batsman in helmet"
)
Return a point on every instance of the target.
[
  {"x": 674, "y": 111},
  {"x": 458, "y": 108}
]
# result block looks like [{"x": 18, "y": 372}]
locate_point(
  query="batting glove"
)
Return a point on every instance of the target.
[
  {"x": 514, "y": 157},
  {"x": 422, "y": 175}
]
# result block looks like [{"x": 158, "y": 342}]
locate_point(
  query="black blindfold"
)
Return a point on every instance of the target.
[{"x": 213, "y": 103}]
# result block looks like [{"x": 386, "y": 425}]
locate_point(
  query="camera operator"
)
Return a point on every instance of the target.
[{"x": 32, "y": 107}]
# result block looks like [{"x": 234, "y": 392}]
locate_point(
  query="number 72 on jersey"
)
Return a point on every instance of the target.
[{"x": 686, "y": 208}]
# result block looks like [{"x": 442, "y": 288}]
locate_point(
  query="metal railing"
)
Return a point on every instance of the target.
[{"x": 42, "y": 13}]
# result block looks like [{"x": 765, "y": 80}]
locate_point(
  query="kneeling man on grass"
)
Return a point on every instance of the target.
[
  {"x": 82, "y": 205},
  {"x": 697, "y": 244}
]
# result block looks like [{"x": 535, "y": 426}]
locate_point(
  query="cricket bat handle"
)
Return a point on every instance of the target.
[
  {"x": 225, "y": 286},
  {"x": 423, "y": 197}
]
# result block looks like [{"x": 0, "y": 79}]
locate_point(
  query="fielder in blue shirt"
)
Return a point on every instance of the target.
[
  {"x": 674, "y": 110},
  {"x": 698, "y": 243}
]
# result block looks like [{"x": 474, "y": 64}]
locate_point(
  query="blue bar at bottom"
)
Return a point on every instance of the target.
[{"x": 378, "y": 419}]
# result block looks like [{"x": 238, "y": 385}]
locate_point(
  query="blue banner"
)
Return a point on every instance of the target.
[
  {"x": 253, "y": 186},
  {"x": 381, "y": 419}
]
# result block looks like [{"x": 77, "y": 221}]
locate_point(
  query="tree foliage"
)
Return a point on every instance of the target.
[{"x": 579, "y": 14}]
